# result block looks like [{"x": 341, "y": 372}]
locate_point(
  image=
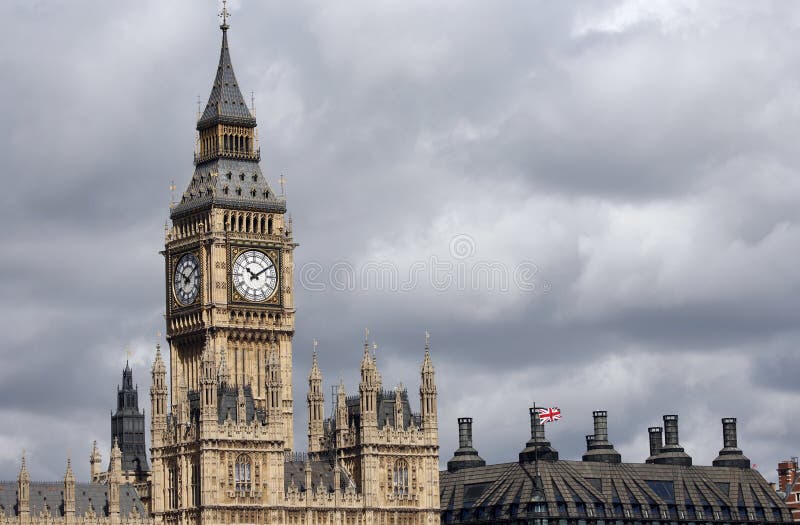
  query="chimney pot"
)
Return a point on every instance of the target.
[
  {"x": 656, "y": 441},
  {"x": 600, "y": 425},
  {"x": 598, "y": 447},
  {"x": 730, "y": 455},
  {"x": 464, "y": 432},
  {"x": 671, "y": 430},
  {"x": 466, "y": 456}
]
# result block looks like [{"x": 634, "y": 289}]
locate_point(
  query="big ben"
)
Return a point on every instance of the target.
[{"x": 230, "y": 322}]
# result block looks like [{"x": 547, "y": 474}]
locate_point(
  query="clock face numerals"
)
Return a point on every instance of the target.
[
  {"x": 254, "y": 275},
  {"x": 186, "y": 282}
]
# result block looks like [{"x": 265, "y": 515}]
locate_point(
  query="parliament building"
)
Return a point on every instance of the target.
[{"x": 221, "y": 422}]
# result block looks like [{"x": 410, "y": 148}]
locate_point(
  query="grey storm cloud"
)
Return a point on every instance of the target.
[{"x": 638, "y": 158}]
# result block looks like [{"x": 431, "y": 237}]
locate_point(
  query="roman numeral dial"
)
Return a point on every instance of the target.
[
  {"x": 186, "y": 281},
  {"x": 254, "y": 275}
]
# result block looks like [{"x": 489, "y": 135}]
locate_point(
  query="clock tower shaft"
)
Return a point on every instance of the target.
[{"x": 237, "y": 228}]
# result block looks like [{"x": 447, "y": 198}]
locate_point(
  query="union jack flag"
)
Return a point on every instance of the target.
[{"x": 548, "y": 415}]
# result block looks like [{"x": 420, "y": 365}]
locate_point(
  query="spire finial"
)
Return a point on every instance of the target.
[
  {"x": 315, "y": 346},
  {"x": 427, "y": 340},
  {"x": 224, "y": 14}
]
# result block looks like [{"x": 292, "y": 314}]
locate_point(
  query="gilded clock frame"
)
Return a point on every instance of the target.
[
  {"x": 275, "y": 254},
  {"x": 175, "y": 257}
]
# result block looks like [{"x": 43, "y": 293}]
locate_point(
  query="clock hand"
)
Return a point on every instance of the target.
[
  {"x": 252, "y": 275},
  {"x": 262, "y": 271}
]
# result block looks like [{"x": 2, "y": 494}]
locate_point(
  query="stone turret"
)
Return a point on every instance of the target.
[
  {"x": 316, "y": 407},
  {"x": 341, "y": 414},
  {"x": 24, "y": 493},
  {"x": 428, "y": 393},
  {"x": 114, "y": 482},
  {"x": 158, "y": 398},
  {"x": 368, "y": 390},
  {"x": 95, "y": 459},
  {"x": 69, "y": 495}
]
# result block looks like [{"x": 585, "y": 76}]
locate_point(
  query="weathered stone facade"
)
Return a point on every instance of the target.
[{"x": 222, "y": 422}]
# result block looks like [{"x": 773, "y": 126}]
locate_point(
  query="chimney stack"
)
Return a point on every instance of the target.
[
  {"x": 672, "y": 453},
  {"x": 537, "y": 448},
  {"x": 466, "y": 456},
  {"x": 464, "y": 432},
  {"x": 656, "y": 442},
  {"x": 730, "y": 455},
  {"x": 599, "y": 448}
]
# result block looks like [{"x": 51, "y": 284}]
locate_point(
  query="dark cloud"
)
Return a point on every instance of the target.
[{"x": 639, "y": 156}]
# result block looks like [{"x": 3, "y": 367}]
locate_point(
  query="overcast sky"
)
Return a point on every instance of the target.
[{"x": 593, "y": 205}]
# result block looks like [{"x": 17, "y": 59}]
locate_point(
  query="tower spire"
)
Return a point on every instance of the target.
[{"x": 224, "y": 14}]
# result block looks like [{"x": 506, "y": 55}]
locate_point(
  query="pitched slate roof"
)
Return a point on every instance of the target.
[
  {"x": 230, "y": 183},
  {"x": 51, "y": 497},
  {"x": 582, "y": 490},
  {"x": 294, "y": 475},
  {"x": 226, "y": 104}
]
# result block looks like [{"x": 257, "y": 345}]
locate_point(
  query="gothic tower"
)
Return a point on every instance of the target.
[
  {"x": 229, "y": 258},
  {"x": 127, "y": 428},
  {"x": 222, "y": 421}
]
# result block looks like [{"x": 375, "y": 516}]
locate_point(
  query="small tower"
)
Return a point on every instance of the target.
[
  {"x": 368, "y": 391},
  {"x": 316, "y": 403},
  {"x": 427, "y": 393},
  {"x": 341, "y": 414},
  {"x": 114, "y": 482},
  {"x": 158, "y": 398},
  {"x": 24, "y": 493},
  {"x": 274, "y": 390},
  {"x": 398, "y": 408},
  {"x": 94, "y": 463},
  {"x": 69, "y": 495},
  {"x": 127, "y": 428}
]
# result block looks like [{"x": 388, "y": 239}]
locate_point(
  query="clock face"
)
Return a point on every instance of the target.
[
  {"x": 254, "y": 275},
  {"x": 186, "y": 282}
]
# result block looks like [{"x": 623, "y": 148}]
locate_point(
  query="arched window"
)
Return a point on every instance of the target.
[
  {"x": 242, "y": 475},
  {"x": 173, "y": 486},
  {"x": 269, "y": 226},
  {"x": 195, "y": 483},
  {"x": 400, "y": 478}
]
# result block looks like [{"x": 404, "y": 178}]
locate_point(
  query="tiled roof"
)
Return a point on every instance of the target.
[
  {"x": 577, "y": 489},
  {"x": 50, "y": 496},
  {"x": 226, "y": 104},
  {"x": 229, "y": 182}
]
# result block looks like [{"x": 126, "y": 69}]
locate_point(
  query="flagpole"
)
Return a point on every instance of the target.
[{"x": 535, "y": 439}]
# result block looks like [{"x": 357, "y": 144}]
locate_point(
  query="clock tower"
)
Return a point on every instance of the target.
[
  {"x": 222, "y": 421},
  {"x": 229, "y": 259}
]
